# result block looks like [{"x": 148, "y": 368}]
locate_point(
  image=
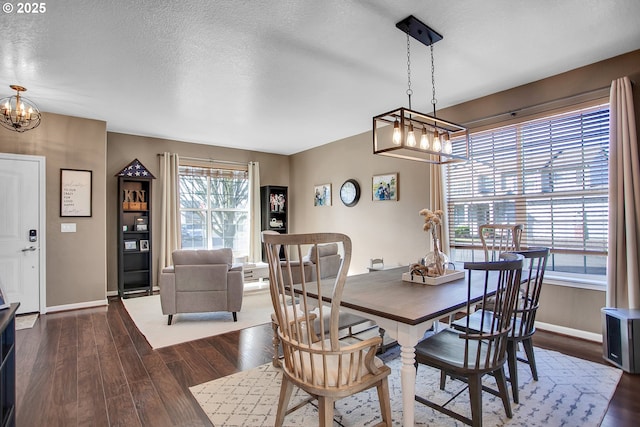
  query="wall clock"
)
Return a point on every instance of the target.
[{"x": 350, "y": 192}]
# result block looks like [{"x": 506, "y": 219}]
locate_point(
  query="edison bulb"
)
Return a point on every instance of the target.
[
  {"x": 437, "y": 145},
  {"x": 411, "y": 136},
  {"x": 447, "y": 147},
  {"x": 424, "y": 139},
  {"x": 397, "y": 135}
]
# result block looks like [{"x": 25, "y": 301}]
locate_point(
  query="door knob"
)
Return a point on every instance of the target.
[{"x": 29, "y": 249}]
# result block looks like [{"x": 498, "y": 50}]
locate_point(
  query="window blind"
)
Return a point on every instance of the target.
[{"x": 550, "y": 174}]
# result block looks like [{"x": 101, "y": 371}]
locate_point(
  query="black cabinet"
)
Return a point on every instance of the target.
[
  {"x": 274, "y": 203},
  {"x": 135, "y": 264},
  {"x": 8, "y": 365}
]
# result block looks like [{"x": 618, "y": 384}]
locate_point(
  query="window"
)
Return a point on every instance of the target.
[
  {"x": 550, "y": 174},
  {"x": 214, "y": 208}
]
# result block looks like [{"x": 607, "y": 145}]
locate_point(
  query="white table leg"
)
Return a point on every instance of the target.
[
  {"x": 407, "y": 336},
  {"x": 408, "y": 381}
]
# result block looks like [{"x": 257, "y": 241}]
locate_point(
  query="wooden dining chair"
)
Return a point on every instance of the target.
[
  {"x": 499, "y": 238},
  {"x": 314, "y": 358},
  {"x": 524, "y": 316},
  {"x": 470, "y": 355}
]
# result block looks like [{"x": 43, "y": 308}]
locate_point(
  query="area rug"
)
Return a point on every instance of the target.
[
  {"x": 147, "y": 315},
  {"x": 26, "y": 321},
  {"x": 570, "y": 392}
]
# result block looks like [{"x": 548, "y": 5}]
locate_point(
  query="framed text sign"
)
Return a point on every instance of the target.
[{"x": 75, "y": 192}]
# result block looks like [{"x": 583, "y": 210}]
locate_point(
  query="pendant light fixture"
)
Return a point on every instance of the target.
[
  {"x": 394, "y": 132},
  {"x": 18, "y": 113}
]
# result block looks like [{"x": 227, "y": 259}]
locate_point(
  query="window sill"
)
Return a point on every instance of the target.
[{"x": 593, "y": 284}]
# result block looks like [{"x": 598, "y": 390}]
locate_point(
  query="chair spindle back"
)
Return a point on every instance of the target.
[{"x": 499, "y": 238}]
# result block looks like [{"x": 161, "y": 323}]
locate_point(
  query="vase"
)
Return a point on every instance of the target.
[{"x": 437, "y": 261}]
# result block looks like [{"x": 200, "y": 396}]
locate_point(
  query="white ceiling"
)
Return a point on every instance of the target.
[{"x": 283, "y": 76}]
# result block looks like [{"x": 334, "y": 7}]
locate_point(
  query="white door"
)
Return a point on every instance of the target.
[{"x": 22, "y": 229}]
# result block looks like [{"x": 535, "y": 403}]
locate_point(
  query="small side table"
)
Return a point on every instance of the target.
[{"x": 254, "y": 272}]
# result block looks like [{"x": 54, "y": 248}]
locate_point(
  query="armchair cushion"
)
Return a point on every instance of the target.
[
  {"x": 203, "y": 256},
  {"x": 205, "y": 277}
]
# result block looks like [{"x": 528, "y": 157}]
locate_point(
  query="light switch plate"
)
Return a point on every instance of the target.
[{"x": 68, "y": 227}]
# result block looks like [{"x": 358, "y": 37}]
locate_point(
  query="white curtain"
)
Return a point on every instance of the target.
[
  {"x": 255, "y": 244},
  {"x": 169, "y": 209},
  {"x": 623, "y": 264},
  {"x": 437, "y": 201}
]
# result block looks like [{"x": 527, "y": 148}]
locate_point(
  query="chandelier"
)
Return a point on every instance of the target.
[
  {"x": 408, "y": 134},
  {"x": 18, "y": 113}
]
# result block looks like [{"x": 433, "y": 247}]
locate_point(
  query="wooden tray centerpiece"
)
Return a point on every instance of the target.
[{"x": 448, "y": 276}]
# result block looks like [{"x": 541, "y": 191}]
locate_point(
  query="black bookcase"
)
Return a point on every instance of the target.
[
  {"x": 135, "y": 266},
  {"x": 274, "y": 203}
]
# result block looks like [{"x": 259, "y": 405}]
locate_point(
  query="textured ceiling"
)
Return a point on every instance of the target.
[{"x": 283, "y": 76}]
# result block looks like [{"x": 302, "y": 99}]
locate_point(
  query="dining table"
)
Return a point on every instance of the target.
[{"x": 405, "y": 310}]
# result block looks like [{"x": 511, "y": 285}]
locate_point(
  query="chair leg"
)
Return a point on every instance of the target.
[
  {"x": 443, "y": 379},
  {"x": 286, "y": 388},
  {"x": 235, "y": 316},
  {"x": 501, "y": 381},
  {"x": 170, "y": 319},
  {"x": 385, "y": 402},
  {"x": 528, "y": 348},
  {"x": 276, "y": 345},
  {"x": 475, "y": 398},
  {"x": 325, "y": 409},
  {"x": 512, "y": 361}
]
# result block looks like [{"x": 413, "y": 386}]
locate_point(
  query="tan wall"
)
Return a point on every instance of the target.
[
  {"x": 122, "y": 149},
  {"x": 76, "y": 262},
  {"x": 388, "y": 229},
  {"x": 393, "y": 229},
  {"x": 571, "y": 307}
]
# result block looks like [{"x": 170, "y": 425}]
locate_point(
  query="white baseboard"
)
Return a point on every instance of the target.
[
  {"x": 589, "y": 336},
  {"x": 77, "y": 306}
]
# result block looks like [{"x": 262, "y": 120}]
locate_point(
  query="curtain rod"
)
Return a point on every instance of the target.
[
  {"x": 566, "y": 101},
  {"x": 230, "y": 162}
]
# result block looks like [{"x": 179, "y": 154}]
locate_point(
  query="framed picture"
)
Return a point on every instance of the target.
[
  {"x": 322, "y": 195},
  {"x": 144, "y": 245},
  {"x": 385, "y": 187},
  {"x": 75, "y": 192},
  {"x": 130, "y": 245},
  {"x": 141, "y": 223},
  {"x": 277, "y": 202}
]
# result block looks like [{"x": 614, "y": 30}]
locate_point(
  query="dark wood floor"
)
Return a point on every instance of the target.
[{"x": 93, "y": 367}]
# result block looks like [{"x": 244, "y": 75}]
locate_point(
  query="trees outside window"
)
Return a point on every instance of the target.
[{"x": 214, "y": 208}]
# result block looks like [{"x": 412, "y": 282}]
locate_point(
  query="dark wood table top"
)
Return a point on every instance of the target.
[
  {"x": 7, "y": 314},
  {"x": 383, "y": 293}
]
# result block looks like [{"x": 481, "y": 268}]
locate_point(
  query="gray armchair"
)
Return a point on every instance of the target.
[
  {"x": 201, "y": 281},
  {"x": 328, "y": 257}
]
